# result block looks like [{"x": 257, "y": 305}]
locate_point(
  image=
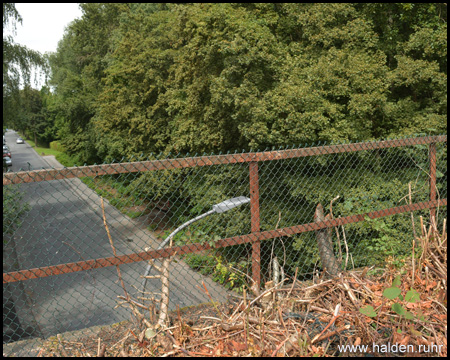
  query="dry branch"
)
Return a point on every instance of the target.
[
  {"x": 300, "y": 320},
  {"x": 114, "y": 249}
]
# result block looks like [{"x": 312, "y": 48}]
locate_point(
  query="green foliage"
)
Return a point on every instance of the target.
[
  {"x": 68, "y": 160},
  {"x": 131, "y": 80},
  {"x": 392, "y": 293},
  {"x": 230, "y": 274},
  {"x": 114, "y": 189},
  {"x": 77, "y": 69},
  {"x": 13, "y": 208},
  {"x": 204, "y": 264},
  {"x": 368, "y": 310},
  {"x": 193, "y": 192},
  {"x": 32, "y": 118},
  {"x": 384, "y": 185},
  {"x": 142, "y": 78},
  {"x": 56, "y": 145},
  {"x": 18, "y": 62}
]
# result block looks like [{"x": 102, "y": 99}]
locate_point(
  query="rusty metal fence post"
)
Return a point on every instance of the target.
[
  {"x": 432, "y": 157},
  {"x": 255, "y": 226}
]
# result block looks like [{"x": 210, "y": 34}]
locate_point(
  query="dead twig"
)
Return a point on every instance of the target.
[
  {"x": 61, "y": 346},
  {"x": 346, "y": 247},
  {"x": 123, "y": 353},
  {"x": 259, "y": 297},
  {"x": 332, "y": 333},
  {"x": 212, "y": 301},
  {"x": 279, "y": 347},
  {"x": 114, "y": 250},
  {"x": 293, "y": 283},
  {"x": 102, "y": 350},
  {"x": 336, "y": 315}
]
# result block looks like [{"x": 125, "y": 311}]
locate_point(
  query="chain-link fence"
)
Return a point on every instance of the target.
[{"x": 76, "y": 241}]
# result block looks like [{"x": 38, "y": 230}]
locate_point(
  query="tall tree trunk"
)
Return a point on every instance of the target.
[{"x": 329, "y": 262}]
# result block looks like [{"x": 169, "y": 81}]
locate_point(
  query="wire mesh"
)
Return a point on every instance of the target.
[{"x": 55, "y": 217}]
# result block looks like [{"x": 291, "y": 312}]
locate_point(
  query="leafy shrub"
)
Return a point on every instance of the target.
[
  {"x": 69, "y": 160},
  {"x": 13, "y": 208},
  {"x": 56, "y": 145},
  {"x": 230, "y": 274}
]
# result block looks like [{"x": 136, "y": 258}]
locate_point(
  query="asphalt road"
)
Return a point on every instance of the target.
[
  {"x": 23, "y": 155},
  {"x": 65, "y": 225}
]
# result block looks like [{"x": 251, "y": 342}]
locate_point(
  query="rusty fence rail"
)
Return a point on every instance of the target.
[{"x": 62, "y": 246}]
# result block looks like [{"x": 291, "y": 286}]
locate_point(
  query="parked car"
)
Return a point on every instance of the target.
[
  {"x": 20, "y": 141},
  {"x": 5, "y": 147},
  {"x": 7, "y": 161},
  {"x": 7, "y": 153}
]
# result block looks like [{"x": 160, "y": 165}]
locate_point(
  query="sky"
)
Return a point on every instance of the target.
[{"x": 43, "y": 25}]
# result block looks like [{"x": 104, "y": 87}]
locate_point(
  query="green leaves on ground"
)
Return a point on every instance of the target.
[
  {"x": 391, "y": 293},
  {"x": 368, "y": 310},
  {"x": 412, "y": 296}
]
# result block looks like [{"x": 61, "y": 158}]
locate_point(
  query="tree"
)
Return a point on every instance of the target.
[
  {"x": 133, "y": 79},
  {"x": 140, "y": 78},
  {"x": 414, "y": 38},
  {"x": 29, "y": 117},
  {"x": 77, "y": 72},
  {"x": 18, "y": 62}
]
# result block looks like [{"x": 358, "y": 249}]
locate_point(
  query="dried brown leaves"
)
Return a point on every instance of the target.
[{"x": 307, "y": 319}]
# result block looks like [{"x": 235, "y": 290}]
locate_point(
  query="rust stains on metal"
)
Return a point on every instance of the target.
[
  {"x": 180, "y": 250},
  {"x": 154, "y": 165}
]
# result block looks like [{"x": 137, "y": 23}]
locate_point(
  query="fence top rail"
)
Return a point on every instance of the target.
[{"x": 208, "y": 160}]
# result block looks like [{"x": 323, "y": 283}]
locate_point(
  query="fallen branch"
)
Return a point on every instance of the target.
[
  {"x": 101, "y": 350},
  {"x": 332, "y": 333},
  {"x": 336, "y": 315}
]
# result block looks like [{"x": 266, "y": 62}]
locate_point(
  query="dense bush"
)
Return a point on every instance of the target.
[
  {"x": 130, "y": 80},
  {"x": 56, "y": 145}
]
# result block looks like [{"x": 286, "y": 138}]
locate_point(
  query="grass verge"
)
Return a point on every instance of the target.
[
  {"x": 65, "y": 159},
  {"x": 44, "y": 151}
]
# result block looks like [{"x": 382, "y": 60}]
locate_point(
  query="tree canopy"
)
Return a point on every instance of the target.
[
  {"x": 132, "y": 79},
  {"x": 129, "y": 79},
  {"x": 18, "y": 62}
]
